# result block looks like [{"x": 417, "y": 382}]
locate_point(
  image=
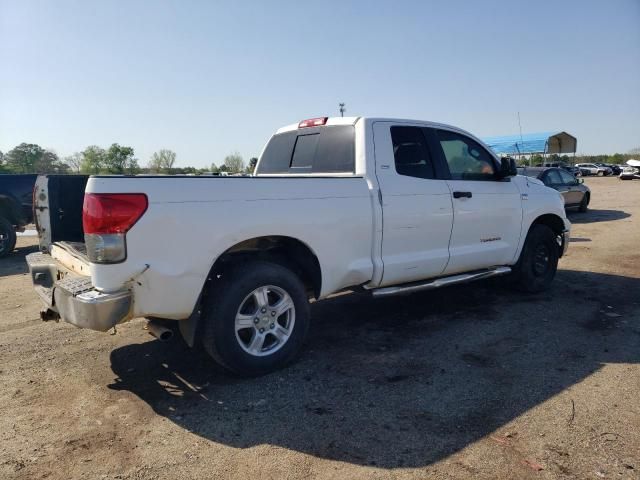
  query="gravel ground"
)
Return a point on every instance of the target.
[{"x": 473, "y": 381}]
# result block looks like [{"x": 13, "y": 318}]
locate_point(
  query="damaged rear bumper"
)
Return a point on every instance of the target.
[{"x": 73, "y": 298}]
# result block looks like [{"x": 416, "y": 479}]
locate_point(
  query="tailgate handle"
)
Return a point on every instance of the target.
[{"x": 462, "y": 194}]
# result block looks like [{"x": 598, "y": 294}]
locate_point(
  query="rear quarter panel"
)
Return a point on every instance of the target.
[{"x": 191, "y": 221}]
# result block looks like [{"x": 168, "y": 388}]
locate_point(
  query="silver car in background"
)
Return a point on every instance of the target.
[{"x": 593, "y": 169}]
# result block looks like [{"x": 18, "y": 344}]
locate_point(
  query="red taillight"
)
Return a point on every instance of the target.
[
  {"x": 112, "y": 212},
  {"x": 313, "y": 122}
]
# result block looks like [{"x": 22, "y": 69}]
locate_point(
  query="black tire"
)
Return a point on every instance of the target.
[
  {"x": 7, "y": 237},
  {"x": 228, "y": 295},
  {"x": 584, "y": 203},
  {"x": 538, "y": 261}
]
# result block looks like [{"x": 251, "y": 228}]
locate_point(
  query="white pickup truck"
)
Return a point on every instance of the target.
[{"x": 381, "y": 205}]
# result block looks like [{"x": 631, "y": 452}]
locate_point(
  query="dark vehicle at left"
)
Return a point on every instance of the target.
[
  {"x": 16, "y": 204},
  {"x": 573, "y": 190}
]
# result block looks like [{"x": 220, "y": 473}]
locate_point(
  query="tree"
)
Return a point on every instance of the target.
[
  {"x": 50, "y": 163},
  {"x": 132, "y": 167},
  {"x": 214, "y": 168},
  {"x": 617, "y": 158},
  {"x": 24, "y": 158},
  {"x": 93, "y": 160},
  {"x": 32, "y": 158},
  {"x": 74, "y": 162},
  {"x": 162, "y": 161},
  {"x": 119, "y": 160},
  {"x": 253, "y": 161},
  {"x": 234, "y": 163},
  {"x": 3, "y": 169}
]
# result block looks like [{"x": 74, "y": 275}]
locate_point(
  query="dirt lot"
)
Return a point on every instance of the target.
[{"x": 471, "y": 382}]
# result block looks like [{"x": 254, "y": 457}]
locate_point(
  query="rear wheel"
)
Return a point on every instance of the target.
[
  {"x": 7, "y": 237},
  {"x": 256, "y": 319},
  {"x": 538, "y": 261},
  {"x": 600, "y": 173}
]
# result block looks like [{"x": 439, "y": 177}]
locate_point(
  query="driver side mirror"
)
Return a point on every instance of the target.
[
  {"x": 579, "y": 180},
  {"x": 507, "y": 168}
]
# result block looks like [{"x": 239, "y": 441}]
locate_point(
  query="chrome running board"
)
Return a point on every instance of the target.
[{"x": 440, "y": 282}]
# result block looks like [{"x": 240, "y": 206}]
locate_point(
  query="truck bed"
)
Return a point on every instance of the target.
[{"x": 191, "y": 221}]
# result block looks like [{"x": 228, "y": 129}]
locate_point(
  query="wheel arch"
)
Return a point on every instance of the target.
[
  {"x": 555, "y": 223},
  {"x": 286, "y": 251}
]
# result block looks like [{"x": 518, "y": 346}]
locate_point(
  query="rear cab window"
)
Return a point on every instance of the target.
[{"x": 325, "y": 149}]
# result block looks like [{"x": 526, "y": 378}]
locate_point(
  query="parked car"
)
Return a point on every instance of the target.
[
  {"x": 16, "y": 207},
  {"x": 615, "y": 169},
  {"x": 593, "y": 169},
  {"x": 631, "y": 170},
  {"x": 607, "y": 169},
  {"x": 573, "y": 190},
  {"x": 572, "y": 169},
  {"x": 379, "y": 205}
]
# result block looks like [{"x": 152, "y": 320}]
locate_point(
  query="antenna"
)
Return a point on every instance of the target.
[
  {"x": 342, "y": 109},
  {"x": 521, "y": 140}
]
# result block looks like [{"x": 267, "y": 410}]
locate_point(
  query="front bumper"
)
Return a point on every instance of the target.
[{"x": 73, "y": 298}]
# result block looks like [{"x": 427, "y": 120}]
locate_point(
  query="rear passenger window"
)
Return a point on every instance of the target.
[
  {"x": 410, "y": 152},
  {"x": 329, "y": 149}
]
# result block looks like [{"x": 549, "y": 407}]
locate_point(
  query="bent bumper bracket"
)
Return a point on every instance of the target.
[{"x": 73, "y": 296}]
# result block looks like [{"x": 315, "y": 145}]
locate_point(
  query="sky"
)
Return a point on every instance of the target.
[{"x": 207, "y": 78}]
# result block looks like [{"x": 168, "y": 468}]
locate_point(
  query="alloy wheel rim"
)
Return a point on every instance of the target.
[{"x": 264, "y": 321}]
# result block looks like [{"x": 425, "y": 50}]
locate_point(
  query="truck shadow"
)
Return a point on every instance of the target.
[
  {"x": 594, "y": 216},
  {"x": 403, "y": 381},
  {"x": 15, "y": 263}
]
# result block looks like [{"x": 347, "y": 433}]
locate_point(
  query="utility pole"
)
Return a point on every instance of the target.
[{"x": 342, "y": 109}]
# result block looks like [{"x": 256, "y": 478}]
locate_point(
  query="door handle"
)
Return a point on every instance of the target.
[{"x": 462, "y": 195}]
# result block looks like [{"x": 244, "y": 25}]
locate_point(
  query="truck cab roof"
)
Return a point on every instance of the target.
[{"x": 334, "y": 121}]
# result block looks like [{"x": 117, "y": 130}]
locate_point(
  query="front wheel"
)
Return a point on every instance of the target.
[
  {"x": 584, "y": 204},
  {"x": 538, "y": 261},
  {"x": 600, "y": 173},
  {"x": 256, "y": 318},
  {"x": 7, "y": 237}
]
